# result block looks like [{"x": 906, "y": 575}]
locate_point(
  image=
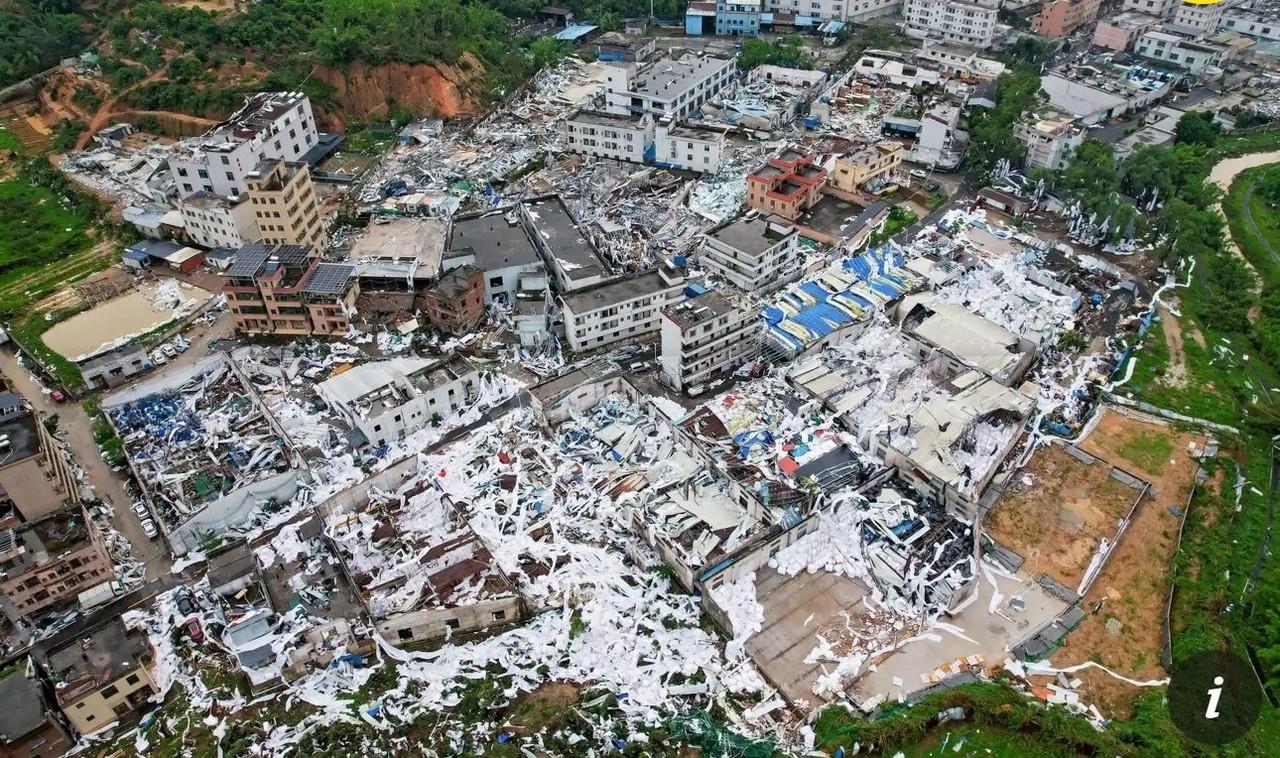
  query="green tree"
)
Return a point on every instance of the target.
[
  {"x": 788, "y": 51},
  {"x": 546, "y": 51},
  {"x": 1198, "y": 128}
]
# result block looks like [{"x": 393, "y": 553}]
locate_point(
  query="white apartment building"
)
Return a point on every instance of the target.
[
  {"x": 1250, "y": 23},
  {"x": 1157, "y": 8},
  {"x": 1190, "y": 55},
  {"x": 1198, "y": 16},
  {"x": 270, "y": 125},
  {"x": 936, "y": 143},
  {"x": 834, "y": 10},
  {"x": 959, "y": 61},
  {"x": 390, "y": 400},
  {"x": 955, "y": 22},
  {"x": 623, "y": 309},
  {"x": 605, "y": 135},
  {"x": 707, "y": 337},
  {"x": 1049, "y": 142},
  {"x": 214, "y": 221},
  {"x": 753, "y": 252},
  {"x": 694, "y": 148},
  {"x": 667, "y": 87}
]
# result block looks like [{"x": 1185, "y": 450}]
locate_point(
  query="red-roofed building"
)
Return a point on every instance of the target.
[{"x": 787, "y": 185}]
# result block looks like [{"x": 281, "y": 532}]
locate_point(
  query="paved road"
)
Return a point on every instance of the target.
[{"x": 74, "y": 427}]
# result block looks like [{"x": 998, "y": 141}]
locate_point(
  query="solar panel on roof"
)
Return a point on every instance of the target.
[{"x": 329, "y": 278}]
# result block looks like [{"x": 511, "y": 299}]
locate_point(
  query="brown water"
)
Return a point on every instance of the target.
[{"x": 116, "y": 319}]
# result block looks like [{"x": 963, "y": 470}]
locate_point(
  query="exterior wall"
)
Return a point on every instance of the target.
[
  {"x": 737, "y": 19},
  {"x": 1255, "y": 26},
  {"x": 457, "y": 314},
  {"x": 1117, "y": 37},
  {"x": 97, "y": 709},
  {"x": 854, "y": 171},
  {"x": 224, "y": 225},
  {"x": 330, "y": 316},
  {"x": 1157, "y": 8},
  {"x": 834, "y": 10},
  {"x": 433, "y": 624},
  {"x": 46, "y": 741},
  {"x": 1059, "y": 18},
  {"x": 225, "y": 173},
  {"x": 1201, "y": 18},
  {"x": 621, "y": 100},
  {"x": 1049, "y": 147},
  {"x": 1193, "y": 59},
  {"x": 895, "y": 72},
  {"x": 682, "y": 150},
  {"x": 401, "y": 421},
  {"x": 627, "y": 320},
  {"x": 951, "y": 21},
  {"x": 285, "y": 207},
  {"x": 964, "y": 65},
  {"x": 114, "y": 368},
  {"x": 620, "y": 141},
  {"x": 708, "y": 350}
]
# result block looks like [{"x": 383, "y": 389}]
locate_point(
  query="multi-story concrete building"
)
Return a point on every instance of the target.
[
  {"x": 605, "y": 135},
  {"x": 28, "y": 727},
  {"x": 1187, "y": 54},
  {"x": 861, "y": 166},
  {"x": 787, "y": 185},
  {"x": 1199, "y": 17},
  {"x": 707, "y": 337},
  {"x": 270, "y": 126},
  {"x": 954, "y": 22},
  {"x": 1049, "y": 141},
  {"x": 51, "y": 560},
  {"x": 35, "y": 480},
  {"x": 625, "y": 308},
  {"x": 1059, "y": 18},
  {"x": 1251, "y": 23},
  {"x": 667, "y": 87},
  {"x": 100, "y": 676},
  {"x": 1158, "y": 8},
  {"x": 497, "y": 243},
  {"x": 737, "y": 19},
  {"x": 893, "y": 68},
  {"x": 390, "y": 400},
  {"x": 216, "y": 221},
  {"x": 936, "y": 142},
  {"x": 753, "y": 252},
  {"x": 961, "y": 62},
  {"x": 693, "y": 148},
  {"x": 455, "y": 303},
  {"x": 285, "y": 289},
  {"x": 1120, "y": 32},
  {"x": 284, "y": 204},
  {"x": 568, "y": 253}
]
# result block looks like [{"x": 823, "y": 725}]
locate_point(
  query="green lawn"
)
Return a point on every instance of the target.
[
  {"x": 36, "y": 229},
  {"x": 1149, "y": 451},
  {"x": 1256, "y": 142},
  {"x": 26, "y": 329},
  {"x": 9, "y": 142}
]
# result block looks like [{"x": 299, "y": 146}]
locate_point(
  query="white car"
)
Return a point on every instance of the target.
[
  {"x": 158, "y": 358},
  {"x": 149, "y": 528},
  {"x": 141, "y": 510}
]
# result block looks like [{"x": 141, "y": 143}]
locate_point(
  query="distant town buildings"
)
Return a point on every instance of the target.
[
  {"x": 270, "y": 126},
  {"x": 1060, "y": 18}
]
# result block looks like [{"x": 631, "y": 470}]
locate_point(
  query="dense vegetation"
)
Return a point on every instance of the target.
[
  {"x": 788, "y": 51},
  {"x": 991, "y": 132},
  {"x": 37, "y": 34}
]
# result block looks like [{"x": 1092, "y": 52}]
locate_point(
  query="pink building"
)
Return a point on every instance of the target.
[
  {"x": 1059, "y": 18},
  {"x": 1120, "y": 32}
]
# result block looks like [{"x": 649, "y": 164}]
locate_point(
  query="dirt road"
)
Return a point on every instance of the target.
[{"x": 75, "y": 428}]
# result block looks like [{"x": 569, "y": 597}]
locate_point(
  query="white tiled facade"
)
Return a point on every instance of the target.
[
  {"x": 1249, "y": 24},
  {"x": 623, "y": 318},
  {"x": 666, "y": 87},
  {"x": 219, "y": 161},
  {"x": 1158, "y": 8},
  {"x": 1198, "y": 17},
  {"x": 691, "y": 149},
  {"x": 951, "y": 21},
  {"x": 706, "y": 337},
  {"x": 605, "y": 136},
  {"x": 1049, "y": 143},
  {"x": 749, "y": 270},
  {"x": 834, "y": 10},
  {"x": 212, "y": 221}
]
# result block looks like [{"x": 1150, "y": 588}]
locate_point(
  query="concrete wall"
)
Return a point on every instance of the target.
[
  {"x": 432, "y": 624},
  {"x": 96, "y": 711}
]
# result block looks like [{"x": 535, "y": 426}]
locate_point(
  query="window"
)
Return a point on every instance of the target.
[
  {"x": 405, "y": 634},
  {"x": 89, "y": 718},
  {"x": 452, "y": 623},
  {"x": 133, "y": 679},
  {"x": 109, "y": 692}
]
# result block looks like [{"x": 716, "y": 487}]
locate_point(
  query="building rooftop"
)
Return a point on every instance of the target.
[
  {"x": 231, "y": 564},
  {"x": 420, "y": 240},
  {"x": 251, "y": 260},
  {"x": 456, "y": 281},
  {"x": 18, "y": 427},
  {"x": 753, "y": 233},
  {"x": 373, "y": 387},
  {"x": 254, "y": 119},
  {"x": 21, "y": 705},
  {"x": 614, "y": 291},
  {"x": 597, "y": 118},
  {"x": 41, "y": 541},
  {"x": 1131, "y": 20},
  {"x": 329, "y": 279},
  {"x": 669, "y": 79},
  {"x": 206, "y": 200},
  {"x": 971, "y": 338},
  {"x": 497, "y": 239},
  {"x": 92, "y": 659},
  {"x": 839, "y": 217},
  {"x": 1077, "y": 98},
  {"x": 705, "y": 307},
  {"x": 574, "y": 253},
  {"x": 706, "y": 133}
]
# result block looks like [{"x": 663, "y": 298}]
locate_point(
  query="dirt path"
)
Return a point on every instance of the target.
[
  {"x": 102, "y": 118},
  {"x": 75, "y": 428},
  {"x": 1176, "y": 374}
]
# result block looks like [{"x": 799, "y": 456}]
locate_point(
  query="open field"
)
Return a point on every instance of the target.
[
  {"x": 1056, "y": 522},
  {"x": 1125, "y": 632},
  {"x": 36, "y": 229}
]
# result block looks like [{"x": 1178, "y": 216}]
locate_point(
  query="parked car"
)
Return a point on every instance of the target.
[
  {"x": 141, "y": 510},
  {"x": 58, "y": 396},
  {"x": 149, "y": 528}
]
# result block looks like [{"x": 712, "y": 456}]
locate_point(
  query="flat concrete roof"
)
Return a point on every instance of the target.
[
  {"x": 1078, "y": 98},
  {"x": 752, "y": 234},
  {"x": 497, "y": 239},
  {"x": 552, "y": 222},
  {"x": 420, "y": 239},
  {"x": 615, "y": 291},
  {"x": 669, "y": 79},
  {"x": 18, "y": 423}
]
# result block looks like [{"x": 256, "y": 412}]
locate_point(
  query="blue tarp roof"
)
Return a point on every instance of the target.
[{"x": 571, "y": 33}]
